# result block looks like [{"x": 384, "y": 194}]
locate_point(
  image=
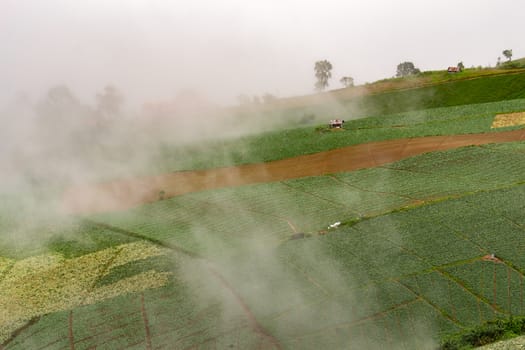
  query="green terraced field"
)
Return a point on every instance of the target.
[
  {"x": 219, "y": 270},
  {"x": 402, "y": 270},
  {"x": 274, "y": 211},
  {"x": 275, "y": 145},
  {"x": 382, "y": 276}
]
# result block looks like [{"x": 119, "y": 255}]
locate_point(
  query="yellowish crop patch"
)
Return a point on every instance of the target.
[
  {"x": 49, "y": 283},
  {"x": 5, "y": 264},
  {"x": 508, "y": 119}
]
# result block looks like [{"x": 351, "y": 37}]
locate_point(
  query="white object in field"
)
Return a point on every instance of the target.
[{"x": 335, "y": 224}]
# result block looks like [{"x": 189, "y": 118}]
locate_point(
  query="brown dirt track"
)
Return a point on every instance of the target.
[{"x": 127, "y": 193}]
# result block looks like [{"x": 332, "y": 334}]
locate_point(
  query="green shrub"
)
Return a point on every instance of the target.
[{"x": 486, "y": 333}]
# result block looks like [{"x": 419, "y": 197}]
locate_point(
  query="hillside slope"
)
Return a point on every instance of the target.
[
  {"x": 437, "y": 89},
  {"x": 217, "y": 269}
]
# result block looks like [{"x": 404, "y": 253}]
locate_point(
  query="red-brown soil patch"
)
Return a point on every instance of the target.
[{"x": 127, "y": 193}]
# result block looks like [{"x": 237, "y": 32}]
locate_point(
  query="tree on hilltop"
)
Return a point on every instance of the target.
[
  {"x": 406, "y": 68},
  {"x": 507, "y": 53},
  {"x": 322, "y": 73},
  {"x": 347, "y": 81}
]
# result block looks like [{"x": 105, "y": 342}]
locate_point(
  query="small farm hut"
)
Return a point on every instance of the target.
[{"x": 336, "y": 123}]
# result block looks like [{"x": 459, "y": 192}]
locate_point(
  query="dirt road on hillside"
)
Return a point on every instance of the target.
[{"x": 127, "y": 193}]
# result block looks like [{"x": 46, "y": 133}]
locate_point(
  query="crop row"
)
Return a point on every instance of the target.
[
  {"x": 45, "y": 284},
  {"x": 500, "y": 285},
  {"x": 450, "y": 298},
  {"x": 192, "y": 309}
]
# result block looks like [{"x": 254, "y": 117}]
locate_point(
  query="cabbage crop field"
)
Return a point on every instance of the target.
[
  {"x": 424, "y": 247},
  {"x": 186, "y": 175},
  {"x": 274, "y": 211}
]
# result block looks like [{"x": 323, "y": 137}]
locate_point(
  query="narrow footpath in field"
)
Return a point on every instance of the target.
[{"x": 127, "y": 193}]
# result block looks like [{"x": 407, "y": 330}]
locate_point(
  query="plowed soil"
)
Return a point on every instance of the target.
[{"x": 127, "y": 193}]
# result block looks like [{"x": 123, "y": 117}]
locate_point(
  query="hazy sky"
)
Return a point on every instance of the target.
[{"x": 152, "y": 49}]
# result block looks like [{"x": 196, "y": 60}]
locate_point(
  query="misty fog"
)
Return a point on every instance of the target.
[{"x": 92, "y": 91}]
